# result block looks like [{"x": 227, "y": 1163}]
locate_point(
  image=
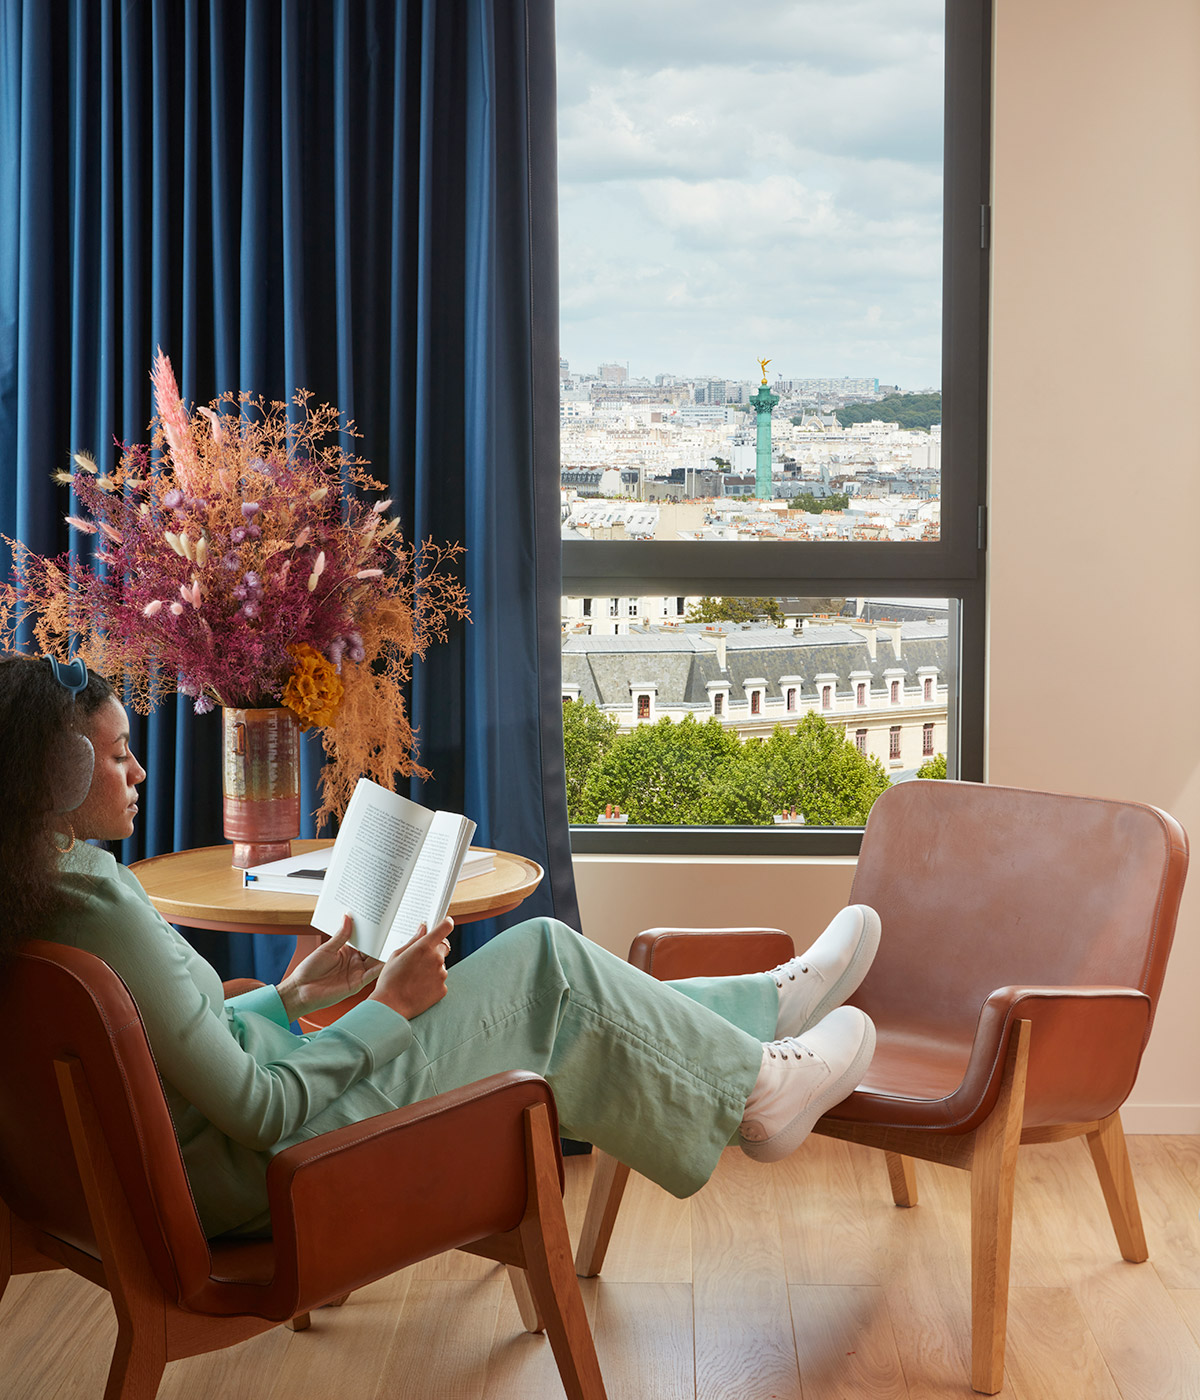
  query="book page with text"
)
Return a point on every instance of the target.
[
  {"x": 373, "y": 859},
  {"x": 431, "y": 885}
]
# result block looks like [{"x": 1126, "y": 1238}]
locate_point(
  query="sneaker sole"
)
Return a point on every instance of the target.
[
  {"x": 852, "y": 975},
  {"x": 783, "y": 1143}
]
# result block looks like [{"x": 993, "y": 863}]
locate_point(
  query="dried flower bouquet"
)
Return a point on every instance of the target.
[{"x": 237, "y": 562}]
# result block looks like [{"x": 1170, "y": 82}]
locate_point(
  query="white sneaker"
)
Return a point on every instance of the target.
[
  {"x": 811, "y": 985},
  {"x": 802, "y": 1079}
]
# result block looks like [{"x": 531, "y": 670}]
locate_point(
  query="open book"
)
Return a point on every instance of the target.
[
  {"x": 305, "y": 874},
  {"x": 394, "y": 867}
]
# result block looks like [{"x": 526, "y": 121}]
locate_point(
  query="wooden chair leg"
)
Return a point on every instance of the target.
[
  {"x": 902, "y": 1177},
  {"x": 300, "y": 1323},
  {"x": 531, "y": 1319},
  {"x": 608, "y": 1186},
  {"x": 1111, "y": 1158},
  {"x": 547, "y": 1250},
  {"x": 140, "y": 1355},
  {"x": 993, "y": 1173}
]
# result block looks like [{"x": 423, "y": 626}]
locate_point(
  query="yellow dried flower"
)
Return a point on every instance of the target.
[{"x": 314, "y": 689}]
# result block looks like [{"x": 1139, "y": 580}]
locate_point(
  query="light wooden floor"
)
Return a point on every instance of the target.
[{"x": 794, "y": 1282}]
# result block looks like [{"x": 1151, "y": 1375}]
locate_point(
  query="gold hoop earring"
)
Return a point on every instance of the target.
[{"x": 65, "y": 850}]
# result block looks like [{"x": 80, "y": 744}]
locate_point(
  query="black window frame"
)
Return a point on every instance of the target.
[{"x": 952, "y": 567}]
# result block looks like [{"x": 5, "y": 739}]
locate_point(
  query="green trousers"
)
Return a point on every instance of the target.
[{"x": 655, "y": 1073}]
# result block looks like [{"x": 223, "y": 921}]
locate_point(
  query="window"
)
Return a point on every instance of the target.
[
  {"x": 587, "y": 607},
  {"x": 860, "y": 740},
  {"x": 791, "y": 697},
  {"x": 756, "y": 702},
  {"x": 643, "y": 707},
  {"x": 895, "y": 692},
  {"x": 633, "y": 607},
  {"x": 927, "y": 543},
  {"x": 894, "y": 742},
  {"x": 927, "y": 740},
  {"x": 614, "y": 607},
  {"x": 718, "y": 702}
]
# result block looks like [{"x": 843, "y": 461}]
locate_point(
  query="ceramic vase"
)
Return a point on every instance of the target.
[{"x": 260, "y": 783}]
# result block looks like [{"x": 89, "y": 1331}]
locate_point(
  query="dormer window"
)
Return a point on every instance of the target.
[
  {"x": 860, "y": 694},
  {"x": 756, "y": 689},
  {"x": 643, "y": 695},
  {"x": 827, "y": 689},
  {"x": 569, "y": 693},
  {"x": 718, "y": 697},
  {"x": 927, "y": 680},
  {"x": 792, "y": 688}
]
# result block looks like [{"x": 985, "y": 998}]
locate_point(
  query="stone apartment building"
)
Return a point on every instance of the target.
[{"x": 884, "y": 682}]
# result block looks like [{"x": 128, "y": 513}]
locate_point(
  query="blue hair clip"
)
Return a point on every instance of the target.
[
  {"x": 71, "y": 675},
  {"x": 80, "y": 758}
]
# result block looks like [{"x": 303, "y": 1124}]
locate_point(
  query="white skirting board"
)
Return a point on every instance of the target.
[{"x": 1169, "y": 1118}]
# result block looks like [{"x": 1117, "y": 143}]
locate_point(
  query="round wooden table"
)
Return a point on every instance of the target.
[{"x": 201, "y": 889}]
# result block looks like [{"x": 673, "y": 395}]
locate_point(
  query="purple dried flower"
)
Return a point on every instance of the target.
[
  {"x": 335, "y": 651},
  {"x": 357, "y": 654},
  {"x": 203, "y": 704},
  {"x": 252, "y": 579},
  {"x": 258, "y": 465},
  {"x": 230, "y": 561},
  {"x": 173, "y": 500},
  {"x": 250, "y": 608},
  {"x": 253, "y": 532},
  {"x": 250, "y": 509},
  {"x": 241, "y": 592},
  {"x": 238, "y": 535}
]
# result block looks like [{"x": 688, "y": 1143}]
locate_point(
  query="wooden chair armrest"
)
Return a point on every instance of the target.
[
  {"x": 674, "y": 953},
  {"x": 355, "y": 1204}
]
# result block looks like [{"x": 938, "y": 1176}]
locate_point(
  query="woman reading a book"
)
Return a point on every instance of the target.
[{"x": 660, "y": 1075}]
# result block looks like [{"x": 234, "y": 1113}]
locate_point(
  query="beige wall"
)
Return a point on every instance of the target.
[
  {"x": 1094, "y": 670},
  {"x": 1095, "y": 495}
]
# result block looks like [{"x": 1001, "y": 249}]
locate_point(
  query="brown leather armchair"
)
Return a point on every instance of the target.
[
  {"x": 1025, "y": 938},
  {"x": 91, "y": 1179}
]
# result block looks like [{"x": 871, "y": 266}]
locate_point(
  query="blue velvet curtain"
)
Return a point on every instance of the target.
[{"x": 353, "y": 196}]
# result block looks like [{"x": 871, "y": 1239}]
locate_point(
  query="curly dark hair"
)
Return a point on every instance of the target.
[{"x": 35, "y": 711}]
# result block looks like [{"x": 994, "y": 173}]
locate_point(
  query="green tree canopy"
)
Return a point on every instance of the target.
[
  {"x": 934, "y": 768},
  {"x": 700, "y": 774},
  {"x": 587, "y": 735},
  {"x": 660, "y": 773},
  {"x": 816, "y": 504},
  {"x": 736, "y": 610},
  {"x": 909, "y": 410}
]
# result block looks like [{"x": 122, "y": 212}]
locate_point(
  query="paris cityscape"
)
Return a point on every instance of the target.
[{"x": 769, "y": 709}]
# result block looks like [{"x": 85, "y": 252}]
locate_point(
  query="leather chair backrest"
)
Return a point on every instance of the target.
[
  {"x": 57, "y": 1001},
  {"x": 981, "y": 887}
]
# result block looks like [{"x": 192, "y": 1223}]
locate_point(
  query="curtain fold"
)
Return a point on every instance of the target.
[{"x": 356, "y": 197}]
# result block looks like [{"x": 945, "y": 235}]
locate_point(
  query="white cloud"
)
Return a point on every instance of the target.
[{"x": 729, "y": 175}]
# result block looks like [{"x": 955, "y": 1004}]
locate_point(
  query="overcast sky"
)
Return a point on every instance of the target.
[{"x": 740, "y": 181}]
